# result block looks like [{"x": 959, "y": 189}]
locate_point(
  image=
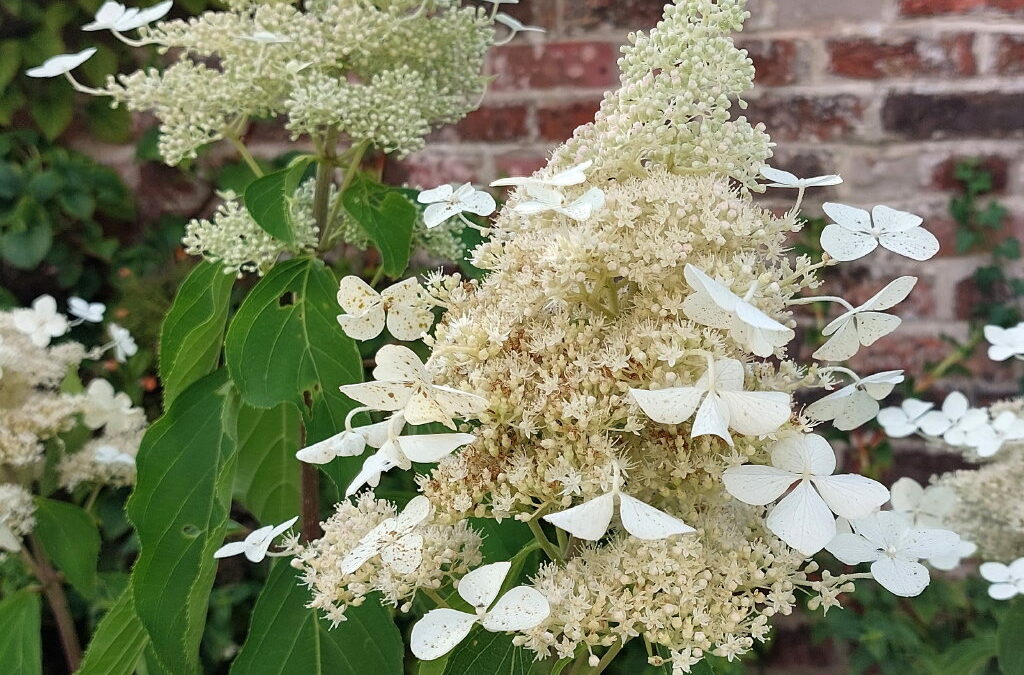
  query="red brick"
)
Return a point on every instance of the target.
[
  {"x": 868, "y": 58},
  {"x": 797, "y": 118},
  {"x": 560, "y": 64},
  {"x": 944, "y": 174},
  {"x": 429, "y": 169},
  {"x": 491, "y": 124},
  {"x": 932, "y": 7},
  {"x": 977, "y": 115},
  {"x": 901, "y": 350},
  {"x": 774, "y": 60},
  {"x": 557, "y": 122},
  {"x": 858, "y": 283},
  {"x": 1016, "y": 6},
  {"x": 590, "y": 15},
  {"x": 1010, "y": 55}
]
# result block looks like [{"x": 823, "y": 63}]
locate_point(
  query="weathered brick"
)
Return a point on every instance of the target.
[
  {"x": 774, "y": 60},
  {"x": 428, "y": 169},
  {"x": 871, "y": 58},
  {"x": 902, "y": 350},
  {"x": 857, "y": 283},
  {"x": 821, "y": 118},
  {"x": 168, "y": 190},
  {"x": 1010, "y": 55},
  {"x": 562, "y": 64},
  {"x": 557, "y": 122},
  {"x": 787, "y": 14},
  {"x": 944, "y": 174},
  {"x": 590, "y": 15},
  {"x": 489, "y": 124},
  {"x": 985, "y": 115}
]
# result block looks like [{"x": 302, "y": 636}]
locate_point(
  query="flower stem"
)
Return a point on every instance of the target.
[
  {"x": 538, "y": 533},
  {"x": 58, "y": 601},
  {"x": 244, "y": 153},
  {"x": 309, "y": 478}
]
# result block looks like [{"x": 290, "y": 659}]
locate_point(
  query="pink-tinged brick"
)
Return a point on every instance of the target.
[
  {"x": 588, "y": 15},
  {"x": 933, "y": 7},
  {"x": 944, "y": 174},
  {"x": 557, "y": 122},
  {"x": 520, "y": 67},
  {"x": 871, "y": 58}
]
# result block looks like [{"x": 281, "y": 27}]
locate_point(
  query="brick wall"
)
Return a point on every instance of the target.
[{"x": 887, "y": 92}]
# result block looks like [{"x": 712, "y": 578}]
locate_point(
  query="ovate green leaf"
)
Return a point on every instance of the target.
[
  {"x": 71, "y": 541},
  {"x": 268, "y": 198},
  {"x": 286, "y": 638},
  {"x": 118, "y": 642},
  {"x": 179, "y": 508},
  {"x": 267, "y": 481},
  {"x": 387, "y": 216},
  {"x": 491, "y": 653},
  {"x": 20, "y": 650},
  {"x": 193, "y": 332}
]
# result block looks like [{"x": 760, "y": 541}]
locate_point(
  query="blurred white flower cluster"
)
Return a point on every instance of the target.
[
  {"x": 982, "y": 504},
  {"x": 40, "y": 401}
]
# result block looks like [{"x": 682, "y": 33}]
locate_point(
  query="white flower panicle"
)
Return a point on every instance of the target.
[
  {"x": 636, "y": 313},
  {"x": 17, "y": 516}
]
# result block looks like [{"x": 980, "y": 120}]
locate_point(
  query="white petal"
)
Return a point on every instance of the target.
[
  {"x": 439, "y": 632},
  {"x": 843, "y": 344},
  {"x": 146, "y": 16},
  {"x": 848, "y": 217},
  {"x": 859, "y": 409},
  {"x": 994, "y": 572},
  {"x": 851, "y": 549},
  {"x": 900, "y": 577},
  {"x": 831, "y": 405},
  {"x": 669, "y": 406},
  {"x": 802, "y": 520},
  {"x": 873, "y": 326},
  {"x": 845, "y": 245},
  {"x": 364, "y": 550},
  {"x": 906, "y": 494},
  {"x": 415, "y": 512},
  {"x": 405, "y": 555},
  {"x": 785, "y": 178},
  {"x": 756, "y": 413},
  {"x": 283, "y": 527},
  {"x": 721, "y": 295},
  {"x": 481, "y": 586},
  {"x": 894, "y": 293},
  {"x": 851, "y": 496},
  {"x": 521, "y": 608},
  {"x": 802, "y": 453},
  {"x": 396, "y": 363},
  {"x": 430, "y": 448},
  {"x": 643, "y": 521},
  {"x": 757, "y": 485},
  {"x": 370, "y": 473},
  {"x": 439, "y": 194},
  {"x": 585, "y": 206},
  {"x": 62, "y": 63},
  {"x": 701, "y": 308},
  {"x": 479, "y": 202},
  {"x": 589, "y": 520},
  {"x": 712, "y": 419},
  {"x": 459, "y": 403},
  {"x": 925, "y": 543},
  {"x": 435, "y": 214},
  {"x": 1002, "y": 591},
  {"x": 355, "y": 296},
  {"x": 387, "y": 396},
  {"x": 230, "y": 549},
  {"x": 916, "y": 244},
  {"x": 887, "y": 219},
  {"x": 8, "y": 540}
]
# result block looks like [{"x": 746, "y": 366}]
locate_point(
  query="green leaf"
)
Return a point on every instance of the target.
[
  {"x": 26, "y": 249},
  {"x": 52, "y": 112},
  {"x": 491, "y": 653},
  {"x": 180, "y": 506},
  {"x": 970, "y": 657},
  {"x": 285, "y": 340},
  {"x": 118, "y": 642},
  {"x": 268, "y": 199},
  {"x": 20, "y": 651},
  {"x": 267, "y": 481},
  {"x": 192, "y": 333},
  {"x": 69, "y": 536},
  {"x": 1009, "y": 642},
  {"x": 387, "y": 216},
  {"x": 285, "y": 637}
]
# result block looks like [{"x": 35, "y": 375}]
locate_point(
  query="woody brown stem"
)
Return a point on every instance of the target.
[{"x": 53, "y": 590}]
